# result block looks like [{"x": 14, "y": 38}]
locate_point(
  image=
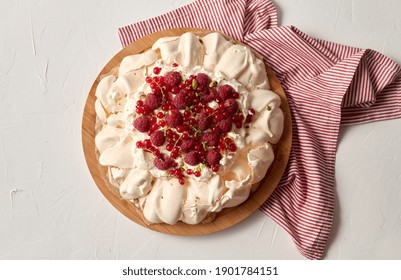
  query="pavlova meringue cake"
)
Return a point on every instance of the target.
[{"x": 188, "y": 127}]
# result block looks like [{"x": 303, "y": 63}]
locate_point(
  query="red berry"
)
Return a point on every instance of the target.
[
  {"x": 192, "y": 121},
  {"x": 204, "y": 121},
  {"x": 225, "y": 114},
  {"x": 190, "y": 171},
  {"x": 153, "y": 85},
  {"x": 197, "y": 109},
  {"x": 160, "y": 115},
  {"x": 213, "y": 157},
  {"x": 225, "y": 125},
  {"x": 139, "y": 110},
  {"x": 224, "y": 92},
  {"x": 232, "y": 147},
  {"x": 175, "y": 64},
  {"x": 157, "y": 138},
  {"x": 215, "y": 168},
  {"x": 169, "y": 133},
  {"x": 142, "y": 124},
  {"x": 153, "y": 101},
  {"x": 197, "y": 173},
  {"x": 228, "y": 140},
  {"x": 181, "y": 181},
  {"x": 209, "y": 110},
  {"x": 191, "y": 158},
  {"x": 157, "y": 152},
  {"x": 139, "y": 103},
  {"x": 211, "y": 139},
  {"x": 175, "y": 90},
  {"x": 203, "y": 80},
  {"x": 216, "y": 129},
  {"x": 157, "y": 70},
  {"x": 148, "y": 79},
  {"x": 180, "y": 129},
  {"x": 174, "y": 119},
  {"x": 169, "y": 147},
  {"x": 187, "y": 145},
  {"x": 139, "y": 144},
  {"x": 172, "y": 78},
  {"x": 163, "y": 162},
  {"x": 208, "y": 95},
  {"x": 157, "y": 90},
  {"x": 180, "y": 101},
  {"x": 235, "y": 95},
  {"x": 146, "y": 109},
  {"x": 147, "y": 143},
  {"x": 231, "y": 106},
  {"x": 218, "y": 116},
  {"x": 221, "y": 146}
]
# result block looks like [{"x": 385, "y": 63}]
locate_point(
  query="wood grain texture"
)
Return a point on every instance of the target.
[{"x": 224, "y": 219}]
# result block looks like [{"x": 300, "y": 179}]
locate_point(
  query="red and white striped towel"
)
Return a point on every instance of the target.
[{"x": 327, "y": 84}]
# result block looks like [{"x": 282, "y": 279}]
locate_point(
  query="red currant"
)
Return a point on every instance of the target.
[
  {"x": 139, "y": 144},
  {"x": 156, "y": 70},
  {"x": 215, "y": 168}
]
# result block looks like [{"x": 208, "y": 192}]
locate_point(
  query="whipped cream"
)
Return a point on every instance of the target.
[{"x": 159, "y": 196}]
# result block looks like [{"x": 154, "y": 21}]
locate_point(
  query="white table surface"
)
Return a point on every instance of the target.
[{"x": 50, "y": 208}]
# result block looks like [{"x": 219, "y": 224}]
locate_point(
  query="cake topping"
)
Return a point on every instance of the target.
[{"x": 188, "y": 118}]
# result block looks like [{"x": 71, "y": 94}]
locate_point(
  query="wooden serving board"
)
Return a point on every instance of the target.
[{"x": 224, "y": 219}]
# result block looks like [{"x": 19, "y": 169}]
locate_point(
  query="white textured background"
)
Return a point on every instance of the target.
[{"x": 50, "y": 208}]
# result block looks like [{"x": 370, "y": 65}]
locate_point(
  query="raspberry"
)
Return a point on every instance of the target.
[
  {"x": 187, "y": 145},
  {"x": 224, "y": 92},
  {"x": 142, "y": 124},
  {"x": 204, "y": 121},
  {"x": 163, "y": 162},
  {"x": 210, "y": 138},
  {"x": 208, "y": 95},
  {"x": 203, "y": 80},
  {"x": 174, "y": 119},
  {"x": 157, "y": 138},
  {"x": 172, "y": 78},
  {"x": 180, "y": 101},
  {"x": 213, "y": 157},
  {"x": 231, "y": 106},
  {"x": 225, "y": 125},
  {"x": 191, "y": 158},
  {"x": 153, "y": 101}
]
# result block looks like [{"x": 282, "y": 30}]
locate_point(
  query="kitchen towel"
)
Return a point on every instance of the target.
[{"x": 327, "y": 85}]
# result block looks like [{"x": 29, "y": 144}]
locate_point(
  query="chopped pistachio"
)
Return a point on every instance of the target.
[
  {"x": 268, "y": 108},
  {"x": 194, "y": 84},
  {"x": 212, "y": 84}
]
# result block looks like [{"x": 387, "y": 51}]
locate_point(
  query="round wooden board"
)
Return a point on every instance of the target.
[{"x": 224, "y": 219}]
